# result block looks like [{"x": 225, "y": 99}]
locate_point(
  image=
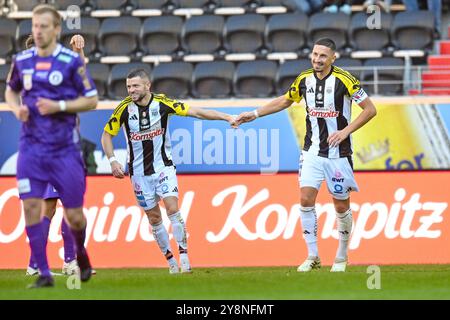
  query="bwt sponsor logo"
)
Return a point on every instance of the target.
[
  {"x": 406, "y": 217},
  {"x": 322, "y": 113},
  {"x": 146, "y": 135}
]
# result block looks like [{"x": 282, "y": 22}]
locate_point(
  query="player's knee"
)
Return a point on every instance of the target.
[
  {"x": 307, "y": 201},
  {"x": 341, "y": 207},
  {"x": 76, "y": 220},
  {"x": 32, "y": 206},
  {"x": 154, "y": 216}
]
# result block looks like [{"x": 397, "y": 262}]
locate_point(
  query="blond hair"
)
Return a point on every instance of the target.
[{"x": 45, "y": 8}]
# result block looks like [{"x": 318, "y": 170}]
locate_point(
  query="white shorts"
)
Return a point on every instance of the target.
[
  {"x": 337, "y": 172},
  {"x": 150, "y": 189}
]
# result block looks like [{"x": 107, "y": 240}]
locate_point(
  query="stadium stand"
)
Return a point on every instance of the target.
[
  {"x": 203, "y": 34},
  {"x": 391, "y": 76},
  {"x": 7, "y": 37},
  {"x": 100, "y": 73},
  {"x": 255, "y": 79},
  {"x": 22, "y": 33},
  {"x": 173, "y": 79},
  {"x": 155, "y": 33},
  {"x": 213, "y": 80},
  {"x": 161, "y": 35},
  {"x": 286, "y": 32},
  {"x": 4, "y": 70},
  {"x": 119, "y": 37}
]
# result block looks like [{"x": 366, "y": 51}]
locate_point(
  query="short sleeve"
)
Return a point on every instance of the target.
[
  {"x": 176, "y": 107},
  {"x": 294, "y": 93},
  {"x": 83, "y": 82},
  {"x": 115, "y": 121}
]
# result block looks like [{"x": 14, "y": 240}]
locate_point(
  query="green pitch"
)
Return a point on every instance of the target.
[{"x": 397, "y": 282}]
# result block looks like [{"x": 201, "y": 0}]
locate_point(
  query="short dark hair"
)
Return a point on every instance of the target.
[
  {"x": 141, "y": 73},
  {"x": 327, "y": 42}
]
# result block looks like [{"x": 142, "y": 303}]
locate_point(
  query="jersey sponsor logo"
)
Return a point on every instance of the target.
[
  {"x": 146, "y": 135},
  {"x": 27, "y": 81},
  {"x": 43, "y": 66},
  {"x": 64, "y": 58},
  {"x": 55, "y": 78},
  {"x": 42, "y": 74},
  {"x": 322, "y": 113}
]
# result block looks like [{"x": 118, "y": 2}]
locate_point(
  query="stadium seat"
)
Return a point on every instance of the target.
[
  {"x": 213, "y": 80},
  {"x": 99, "y": 73},
  {"x": 27, "y": 5},
  {"x": 330, "y": 25},
  {"x": 117, "y": 88},
  {"x": 119, "y": 36},
  {"x": 89, "y": 30},
  {"x": 192, "y": 3},
  {"x": 109, "y": 4},
  {"x": 288, "y": 72},
  {"x": 161, "y": 35},
  {"x": 390, "y": 70},
  {"x": 413, "y": 30},
  {"x": 23, "y": 31},
  {"x": 363, "y": 38},
  {"x": 172, "y": 79},
  {"x": 153, "y": 4},
  {"x": 234, "y": 3},
  {"x": 4, "y": 70},
  {"x": 255, "y": 79},
  {"x": 64, "y": 4},
  {"x": 244, "y": 33},
  {"x": 286, "y": 32},
  {"x": 7, "y": 36},
  {"x": 354, "y": 66},
  {"x": 203, "y": 34}
]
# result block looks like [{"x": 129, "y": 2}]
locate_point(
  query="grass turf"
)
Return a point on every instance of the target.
[{"x": 260, "y": 283}]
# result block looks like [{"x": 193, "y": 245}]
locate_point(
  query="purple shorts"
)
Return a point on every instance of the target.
[
  {"x": 66, "y": 172},
  {"x": 51, "y": 193}
]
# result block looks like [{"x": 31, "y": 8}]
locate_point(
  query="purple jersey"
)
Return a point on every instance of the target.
[{"x": 60, "y": 76}]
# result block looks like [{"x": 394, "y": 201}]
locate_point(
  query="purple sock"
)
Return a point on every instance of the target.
[
  {"x": 45, "y": 222},
  {"x": 82, "y": 257},
  {"x": 69, "y": 244},
  {"x": 37, "y": 244}
]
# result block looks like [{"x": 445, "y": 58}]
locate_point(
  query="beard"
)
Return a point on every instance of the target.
[{"x": 139, "y": 97}]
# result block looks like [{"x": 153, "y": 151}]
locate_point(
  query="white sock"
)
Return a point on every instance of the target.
[
  {"x": 344, "y": 226},
  {"x": 179, "y": 231},
  {"x": 309, "y": 225},
  {"x": 162, "y": 237}
]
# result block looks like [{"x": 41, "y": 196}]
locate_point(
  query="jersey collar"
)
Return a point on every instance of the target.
[{"x": 326, "y": 77}]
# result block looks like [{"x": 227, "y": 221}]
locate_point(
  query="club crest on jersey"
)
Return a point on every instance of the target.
[
  {"x": 144, "y": 122},
  {"x": 55, "y": 78},
  {"x": 146, "y": 135},
  {"x": 154, "y": 113},
  {"x": 329, "y": 90}
]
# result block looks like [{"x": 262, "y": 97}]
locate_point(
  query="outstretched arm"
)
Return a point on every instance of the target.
[
  {"x": 369, "y": 111},
  {"x": 273, "y": 106},
  {"x": 207, "y": 114}
]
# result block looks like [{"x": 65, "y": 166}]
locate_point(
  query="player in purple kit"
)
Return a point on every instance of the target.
[
  {"x": 51, "y": 197},
  {"x": 54, "y": 85}
]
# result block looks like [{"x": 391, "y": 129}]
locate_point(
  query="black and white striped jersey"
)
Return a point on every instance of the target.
[
  {"x": 146, "y": 131},
  {"x": 328, "y": 108}
]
